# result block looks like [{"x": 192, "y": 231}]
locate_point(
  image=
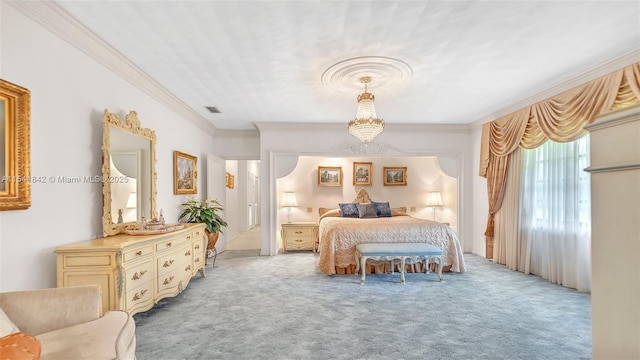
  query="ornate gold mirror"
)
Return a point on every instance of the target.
[
  {"x": 15, "y": 184},
  {"x": 128, "y": 173}
]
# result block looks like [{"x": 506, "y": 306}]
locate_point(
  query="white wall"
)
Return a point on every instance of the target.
[
  {"x": 69, "y": 92},
  {"x": 480, "y": 198}
]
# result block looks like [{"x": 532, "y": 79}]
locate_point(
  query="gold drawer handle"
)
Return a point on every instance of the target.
[
  {"x": 137, "y": 276},
  {"x": 197, "y": 247},
  {"x": 298, "y": 232},
  {"x": 168, "y": 244},
  {"x": 197, "y": 259},
  {"x": 298, "y": 240},
  {"x": 168, "y": 263},
  {"x": 139, "y": 295},
  {"x": 188, "y": 237},
  {"x": 139, "y": 252},
  {"x": 168, "y": 280},
  {"x": 187, "y": 253},
  {"x": 187, "y": 268}
]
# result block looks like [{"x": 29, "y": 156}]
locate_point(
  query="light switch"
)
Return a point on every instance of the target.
[
  {"x": 413, "y": 209},
  {"x": 309, "y": 210}
]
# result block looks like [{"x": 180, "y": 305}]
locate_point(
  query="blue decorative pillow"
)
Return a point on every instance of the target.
[
  {"x": 349, "y": 210},
  {"x": 367, "y": 211},
  {"x": 382, "y": 209}
]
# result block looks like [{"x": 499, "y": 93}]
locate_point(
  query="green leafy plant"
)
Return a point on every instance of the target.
[{"x": 203, "y": 211}]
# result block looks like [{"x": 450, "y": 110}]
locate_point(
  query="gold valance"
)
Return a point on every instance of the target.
[{"x": 561, "y": 118}]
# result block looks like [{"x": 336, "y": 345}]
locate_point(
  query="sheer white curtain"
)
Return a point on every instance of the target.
[{"x": 555, "y": 213}]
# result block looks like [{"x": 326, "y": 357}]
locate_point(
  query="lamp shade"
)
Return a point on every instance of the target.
[
  {"x": 434, "y": 199},
  {"x": 288, "y": 199},
  {"x": 132, "y": 201}
]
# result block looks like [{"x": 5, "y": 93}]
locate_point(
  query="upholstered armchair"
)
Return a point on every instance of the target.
[{"x": 68, "y": 324}]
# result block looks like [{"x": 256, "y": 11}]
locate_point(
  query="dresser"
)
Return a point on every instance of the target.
[
  {"x": 299, "y": 236},
  {"x": 135, "y": 272}
]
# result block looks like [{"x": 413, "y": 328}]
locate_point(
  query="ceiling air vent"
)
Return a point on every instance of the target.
[{"x": 212, "y": 109}]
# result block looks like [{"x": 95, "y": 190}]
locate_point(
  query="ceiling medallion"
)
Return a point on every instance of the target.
[{"x": 345, "y": 75}]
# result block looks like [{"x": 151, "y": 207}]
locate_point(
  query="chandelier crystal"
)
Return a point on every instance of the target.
[{"x": 366, "y": 126}]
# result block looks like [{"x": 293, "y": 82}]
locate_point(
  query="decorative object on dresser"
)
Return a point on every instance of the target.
[
  {"x": 288, "y": 201},
  {"x": 134, "y": 272},
  {"x": 329, "y": 176},
  {"x": 205, "y": 212},
  {"x": 15, "y": 187},
  {"x": 434, "y": 199},
  {"x": 362, "y": 173},
  {"x": 299, "y": 236},
  {"x": 394, "y": 176},
  {"x": 185, "y": 173},
  {"x": 128, "y": 166}
]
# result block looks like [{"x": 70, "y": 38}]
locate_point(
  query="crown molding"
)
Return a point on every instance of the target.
[
  {"x": 606, "y": 68},
  {"x": 57, "y": 20}
]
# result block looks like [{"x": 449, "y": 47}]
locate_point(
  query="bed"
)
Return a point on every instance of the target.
[{"x": 338, "y": 237}]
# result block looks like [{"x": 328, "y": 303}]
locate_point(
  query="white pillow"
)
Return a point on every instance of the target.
[{"x": 6, "y": 326}]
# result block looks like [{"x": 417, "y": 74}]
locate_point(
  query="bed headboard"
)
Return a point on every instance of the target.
[{"x": 362, "y": 197}]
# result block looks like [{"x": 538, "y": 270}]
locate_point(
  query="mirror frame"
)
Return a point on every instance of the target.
[
  {"x": 131, "y": 124},
  {"x": 17, "y": 178}
]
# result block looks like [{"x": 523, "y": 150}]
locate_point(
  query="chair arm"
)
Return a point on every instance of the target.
[{"x": 39, "y": 311}]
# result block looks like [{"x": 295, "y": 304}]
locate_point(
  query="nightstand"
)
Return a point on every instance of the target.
[{"x": 299, "y": 236}]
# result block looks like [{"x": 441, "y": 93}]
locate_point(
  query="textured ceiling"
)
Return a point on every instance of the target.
[{"x": 263, "y": 61}]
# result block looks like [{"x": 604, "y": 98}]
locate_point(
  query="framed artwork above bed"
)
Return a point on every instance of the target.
[
  {"x": 394, "y": 176},
  {"x": 362, "y": 173},
  {"x": 329, "y": 176}
]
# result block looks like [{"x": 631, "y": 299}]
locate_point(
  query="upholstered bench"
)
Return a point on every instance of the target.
[{"x": 393, "y": 251}]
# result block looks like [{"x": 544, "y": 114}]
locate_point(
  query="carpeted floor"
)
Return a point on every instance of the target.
[{"x": 282, "y": 307}]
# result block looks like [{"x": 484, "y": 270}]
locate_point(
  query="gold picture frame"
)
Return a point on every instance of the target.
[
  {"x": 185, "y": 173},
  {"x": 15, "y": 174},
  {"x": 329, "y": 176},
  {"x": 362, "y": 173},
  {"x": 394, "y": 176}
]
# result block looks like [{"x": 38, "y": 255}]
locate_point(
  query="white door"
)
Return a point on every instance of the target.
[{"x": 216, "y": 189}]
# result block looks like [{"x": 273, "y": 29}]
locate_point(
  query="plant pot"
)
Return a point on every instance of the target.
[{"x": 213, "y": 239}]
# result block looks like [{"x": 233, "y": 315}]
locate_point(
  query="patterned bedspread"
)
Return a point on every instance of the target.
[{"x": 339, "y": 237}]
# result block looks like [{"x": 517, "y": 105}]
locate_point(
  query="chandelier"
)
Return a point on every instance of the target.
[{"x": 366, "y": 126}]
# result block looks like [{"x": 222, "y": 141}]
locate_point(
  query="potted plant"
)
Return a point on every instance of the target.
[{"x": 206, "y": 212}]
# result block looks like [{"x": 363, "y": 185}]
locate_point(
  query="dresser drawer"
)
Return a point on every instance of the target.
[
  {"x": 169, "y": 279},
  {"x": 299, "y": 232},
  {"x": 299, "y": 243},
  {"x": 138, "y": 274},
  {"x": 170, "y": 261},
  {"x": 172, "y": 243},
  {"x": 137, "y": 253},
  {"x": 139, "y": 298}
]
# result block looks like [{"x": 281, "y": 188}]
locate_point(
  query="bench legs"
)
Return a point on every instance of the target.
[
  {"x": 361, "y": 261},
  {"x": 438, "y": 260}
]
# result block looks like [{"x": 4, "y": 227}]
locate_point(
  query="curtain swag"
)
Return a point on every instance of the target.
[{"x": 561, "y": 118}]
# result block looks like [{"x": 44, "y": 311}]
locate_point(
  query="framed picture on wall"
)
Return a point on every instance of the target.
[
  {"x": 231, "y": 181},
  {"x": 329, "y": 176},
  {"x": 185, "y": 173},
  {"x": 394, "y": 176},
  {"x": 362, "y": 173}
]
